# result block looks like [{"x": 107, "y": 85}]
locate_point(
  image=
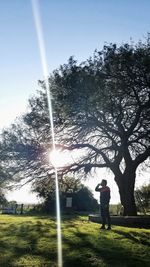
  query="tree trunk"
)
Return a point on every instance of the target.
[{"x": 126, "y": 182}]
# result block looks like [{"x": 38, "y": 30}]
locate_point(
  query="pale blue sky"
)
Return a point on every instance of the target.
[{"x": 70, "y": 27}]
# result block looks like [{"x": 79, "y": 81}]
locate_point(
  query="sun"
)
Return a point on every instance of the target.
[{"x": 58, "y": 158}]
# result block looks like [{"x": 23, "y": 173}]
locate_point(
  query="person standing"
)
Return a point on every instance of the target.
[{"x": 104, "y": 203}]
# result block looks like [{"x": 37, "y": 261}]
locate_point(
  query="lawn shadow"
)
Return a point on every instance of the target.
[
  {"x": 136, "y": 237},
  {"x": 31, "y": 240},
  {"x": 100, "y": 252},
  {"x": 84, "y": 245}
]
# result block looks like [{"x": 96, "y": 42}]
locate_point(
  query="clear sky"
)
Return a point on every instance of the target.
[{"x": 70, "y": 28}]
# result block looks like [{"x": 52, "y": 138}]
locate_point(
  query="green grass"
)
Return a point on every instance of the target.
[{"x": 31, "y": 241}]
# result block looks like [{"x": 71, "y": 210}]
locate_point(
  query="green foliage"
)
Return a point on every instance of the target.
[
  {"x": 82, "y": 197},
  {"x": 32, "y": 241},
  {"x": 83, "y": 200},
  {"x": 3, "y": 182},
  {"x": 144, "y": 193},
  {"x": 3, "y": 199}
]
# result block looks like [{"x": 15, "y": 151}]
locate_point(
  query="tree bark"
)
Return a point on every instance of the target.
[{"x": 126, "y": 183}]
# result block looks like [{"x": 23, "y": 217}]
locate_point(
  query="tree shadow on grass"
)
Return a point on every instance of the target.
[
  {"x": 100, "y": 252},
  {"x": 83, "y": 245},
  {"x": 142, "y": 238},
  {"x": 29, "y": 240}
]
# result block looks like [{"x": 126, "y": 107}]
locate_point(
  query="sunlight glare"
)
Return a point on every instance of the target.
[
  {"x": 58, "y": 158},
  {"x": 39, "y": 31}
]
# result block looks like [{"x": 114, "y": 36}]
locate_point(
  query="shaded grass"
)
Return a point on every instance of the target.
[{"x": 30, "y": 241}]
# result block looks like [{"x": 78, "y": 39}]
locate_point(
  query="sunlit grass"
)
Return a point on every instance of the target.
[{"x": 31, "y": 241}]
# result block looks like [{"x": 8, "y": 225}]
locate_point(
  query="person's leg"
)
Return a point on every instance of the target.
[
  {"x": 103, "y": 215},
  {"x": 108, "y": 217}
]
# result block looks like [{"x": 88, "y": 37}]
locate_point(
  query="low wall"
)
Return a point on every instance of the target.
[{"x": 129, "y": 221}]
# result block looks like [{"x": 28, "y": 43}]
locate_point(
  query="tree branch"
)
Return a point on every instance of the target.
[
  {"x": 142, "y": 157},
  {"x": 98, "y": 151}
]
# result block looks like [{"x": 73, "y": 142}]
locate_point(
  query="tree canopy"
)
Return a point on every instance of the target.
[{"x": 101, "y": 107}]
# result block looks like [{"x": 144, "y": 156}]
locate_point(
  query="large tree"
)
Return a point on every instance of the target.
[{"x": 102, "y": 108}]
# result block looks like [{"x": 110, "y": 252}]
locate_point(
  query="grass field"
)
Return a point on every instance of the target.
[{"x": 31, "y": 241}]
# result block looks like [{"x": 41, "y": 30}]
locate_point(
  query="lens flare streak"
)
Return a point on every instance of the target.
[{"x": 39, "y": 32}]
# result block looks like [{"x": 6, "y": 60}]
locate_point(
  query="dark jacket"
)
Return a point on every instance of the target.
[{"x": 104, "y": 194}]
